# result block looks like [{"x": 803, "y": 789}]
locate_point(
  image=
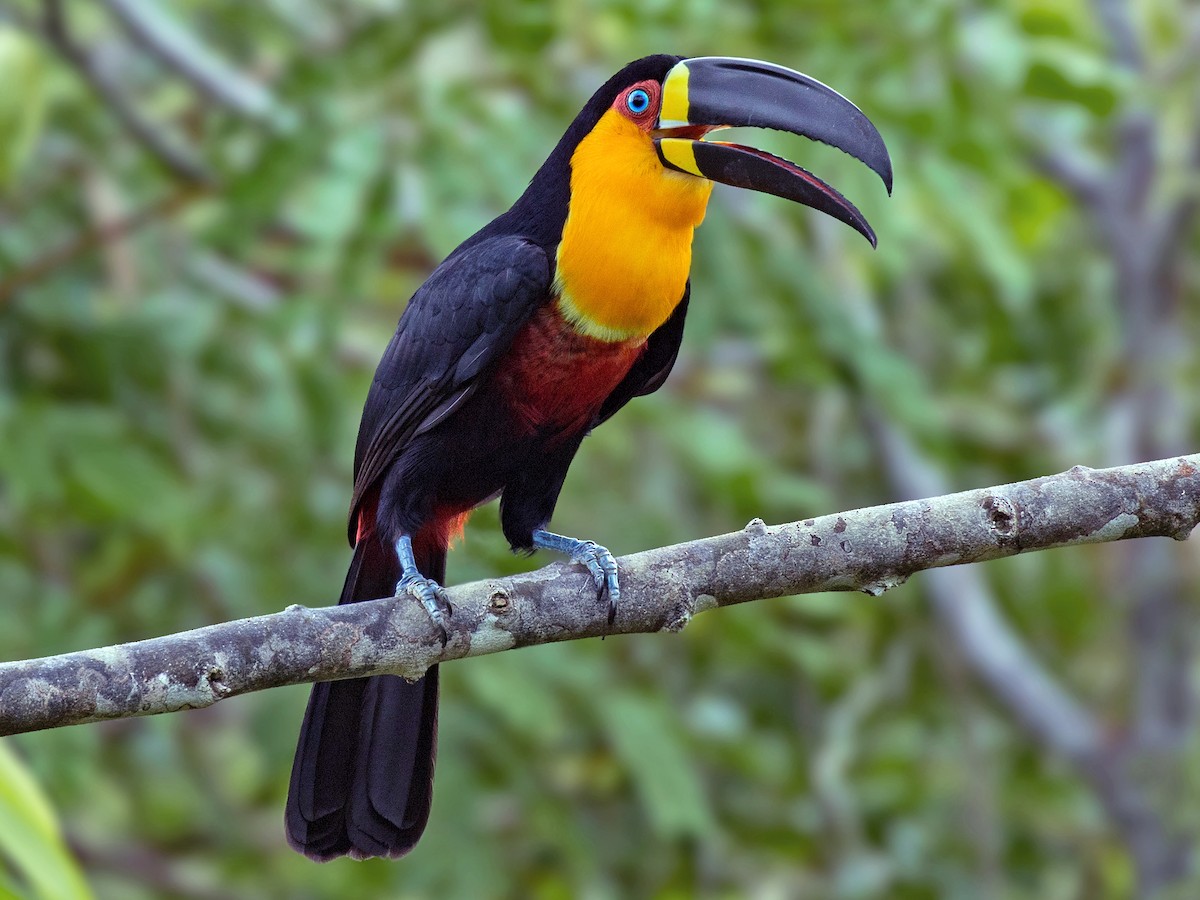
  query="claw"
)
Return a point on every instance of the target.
[
  {"x": 598, "y": 560},
  {"x": 432, "y": 597},
  {"x": 431, "y": 594}
]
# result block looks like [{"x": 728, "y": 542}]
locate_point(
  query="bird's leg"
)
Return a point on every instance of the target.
[
  {"x": 597, "y": 559},
  {"x": 431, "y": 594}
]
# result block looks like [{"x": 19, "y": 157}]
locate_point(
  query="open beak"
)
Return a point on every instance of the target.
[{"x": 711, "y": 92}]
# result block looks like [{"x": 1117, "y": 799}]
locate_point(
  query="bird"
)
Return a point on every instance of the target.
[{"x": 531, "y": 333}]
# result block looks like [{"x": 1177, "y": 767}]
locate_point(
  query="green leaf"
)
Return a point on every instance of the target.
[
  {"x": 22, "y": 101},
  {"x": 126, "y": 481},
  {"x": 644, "y": 735},
  {"x": 30, "y": 840}
]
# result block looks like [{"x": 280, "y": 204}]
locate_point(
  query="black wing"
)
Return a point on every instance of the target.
[
  {"x": 460, "y": 320},
  {"x": 653, "y": 366}
]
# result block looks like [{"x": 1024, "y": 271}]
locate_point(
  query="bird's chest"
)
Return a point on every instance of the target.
[{"x": 555, "y": 379}]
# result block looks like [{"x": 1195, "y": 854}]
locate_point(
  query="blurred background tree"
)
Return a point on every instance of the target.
[{"x": 211, "y": 214}]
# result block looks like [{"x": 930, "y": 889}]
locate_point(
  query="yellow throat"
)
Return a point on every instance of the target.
[{"x": 626, "y": 248}]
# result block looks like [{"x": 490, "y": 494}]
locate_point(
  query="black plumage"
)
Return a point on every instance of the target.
[
  {"x": 434, "y": 436},
  {"x": 490, "y": 384}
]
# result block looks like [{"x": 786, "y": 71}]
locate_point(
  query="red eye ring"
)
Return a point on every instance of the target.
[{"x": 639, "y": 102}]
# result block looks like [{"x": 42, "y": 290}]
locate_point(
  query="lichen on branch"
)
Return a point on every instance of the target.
[{"x": 867, "y": 550}]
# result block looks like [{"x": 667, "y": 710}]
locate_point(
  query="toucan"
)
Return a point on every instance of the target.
[{"x": 532, "y": 332}]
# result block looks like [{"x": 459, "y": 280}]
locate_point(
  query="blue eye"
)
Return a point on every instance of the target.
[{"x": 638, "y": 101}]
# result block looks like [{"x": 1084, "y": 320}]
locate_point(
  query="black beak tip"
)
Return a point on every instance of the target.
[
  {"x": 878, "y": 160},
  {"x": 863, "y": 227}
]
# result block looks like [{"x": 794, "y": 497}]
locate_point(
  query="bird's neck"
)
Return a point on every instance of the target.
[{"x": 626, "y": 247}]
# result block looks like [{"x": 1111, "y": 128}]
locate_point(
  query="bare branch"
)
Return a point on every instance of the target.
[
  {"x": 174, "y": 157},
  {"x": 1085, "y": 183},
  {"x": 1163, "y": 646},
  {"x": 1114, "y": 15},
  {"x": 153, "y": 26},
  {"x": 966, "y": 608},
  {"x": 868, "y": 550}
]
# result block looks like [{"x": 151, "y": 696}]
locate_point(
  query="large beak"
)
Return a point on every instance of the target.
[{"x": 710, "y": 92}]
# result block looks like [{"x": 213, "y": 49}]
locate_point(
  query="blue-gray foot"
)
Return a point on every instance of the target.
[
  {"x": 597, "y": 559},
  {"x": 431, "y": 594}
]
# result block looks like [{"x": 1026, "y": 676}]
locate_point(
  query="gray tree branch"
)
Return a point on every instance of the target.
[
  {"x": 967, "y": 609},
  {"x": 173, "y": 155},
  {"x": 155, "y": 27},
  {"x": 1146, "y": 242},
  {"x": 867, "y": 550},
  {"x": 1116, "y": 18}
]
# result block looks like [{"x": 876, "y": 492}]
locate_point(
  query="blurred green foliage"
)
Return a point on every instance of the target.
[
  {"x": 178, "y": 411},
  {"x": 30, "y": 839}
]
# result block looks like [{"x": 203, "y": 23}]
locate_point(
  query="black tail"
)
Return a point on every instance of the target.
[{"x": 362, "y": 780}]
